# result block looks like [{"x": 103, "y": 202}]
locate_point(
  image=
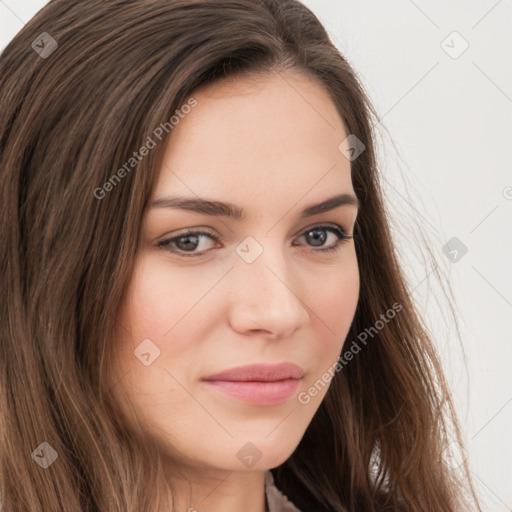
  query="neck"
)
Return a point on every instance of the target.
[{"x": 220, "y": 491}]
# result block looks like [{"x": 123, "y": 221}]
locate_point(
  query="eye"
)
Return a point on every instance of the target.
[
  {"x": 185, "y": 244},
  {"x": 318, "y": 237}
]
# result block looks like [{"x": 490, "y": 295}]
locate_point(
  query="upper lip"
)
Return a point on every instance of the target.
[{"x": 260, "y": 372}]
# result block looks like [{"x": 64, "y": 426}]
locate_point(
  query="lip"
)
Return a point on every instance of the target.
[
  {"x": 259, "y": 372},
  {"x": 258, "y": 384}
]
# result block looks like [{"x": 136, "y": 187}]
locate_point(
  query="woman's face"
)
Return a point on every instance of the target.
[{"x": 251, "y": 290}]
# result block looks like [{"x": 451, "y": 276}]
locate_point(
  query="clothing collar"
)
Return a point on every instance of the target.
[{"x": 276, "y": 501}]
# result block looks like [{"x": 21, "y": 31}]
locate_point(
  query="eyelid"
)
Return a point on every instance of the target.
[
  {"x": 324, "y": 225},
  {"x": 211, "y": 232}
]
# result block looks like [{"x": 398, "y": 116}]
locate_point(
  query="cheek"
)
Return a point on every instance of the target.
[
  {"x": 335, "y": 298},
  {"x": 160, "y": 298},
  {"x": 167, "y": 313},
  {"x": 155, "y": 310},
  {"x": 334, "y": 305}
]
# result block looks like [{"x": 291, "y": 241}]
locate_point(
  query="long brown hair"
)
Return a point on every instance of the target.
[{"x": 82, "y": 87}]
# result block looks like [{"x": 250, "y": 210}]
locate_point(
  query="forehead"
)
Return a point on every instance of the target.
[{"x": 257, "y": 136}]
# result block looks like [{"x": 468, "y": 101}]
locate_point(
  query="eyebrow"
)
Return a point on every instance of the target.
[{"x": 212, "y": 207}]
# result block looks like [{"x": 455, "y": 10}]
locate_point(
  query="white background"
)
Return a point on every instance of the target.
[{"x": 446, "y": 159}]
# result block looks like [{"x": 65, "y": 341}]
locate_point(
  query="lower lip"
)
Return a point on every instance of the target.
[{"x": 257, "y": 392}]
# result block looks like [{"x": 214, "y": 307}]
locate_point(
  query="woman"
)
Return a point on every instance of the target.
[{"x": 203, "y": 308}]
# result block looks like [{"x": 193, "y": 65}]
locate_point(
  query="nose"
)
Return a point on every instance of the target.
[{"x": 266, "y": 297}]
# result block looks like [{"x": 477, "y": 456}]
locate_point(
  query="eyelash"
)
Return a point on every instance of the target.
[{"x": 337, "y": 230}]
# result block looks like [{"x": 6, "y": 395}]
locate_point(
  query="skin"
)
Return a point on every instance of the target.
[{"x": 268, "y": 144}]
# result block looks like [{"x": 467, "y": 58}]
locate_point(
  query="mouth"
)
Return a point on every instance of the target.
[{"x": 259, "y": 384}]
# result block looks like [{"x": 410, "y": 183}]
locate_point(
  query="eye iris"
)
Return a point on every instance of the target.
[
  {"x": 321, "y": 239},
  {"x": 187, "y": 245}
]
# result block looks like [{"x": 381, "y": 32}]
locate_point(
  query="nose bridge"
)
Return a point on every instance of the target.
[
  {"x": 266, "y": 295},
  {"x": 263, "y": 263}
]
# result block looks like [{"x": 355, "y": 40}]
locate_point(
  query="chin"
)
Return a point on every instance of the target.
[{"x": 263, "y": 453}]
